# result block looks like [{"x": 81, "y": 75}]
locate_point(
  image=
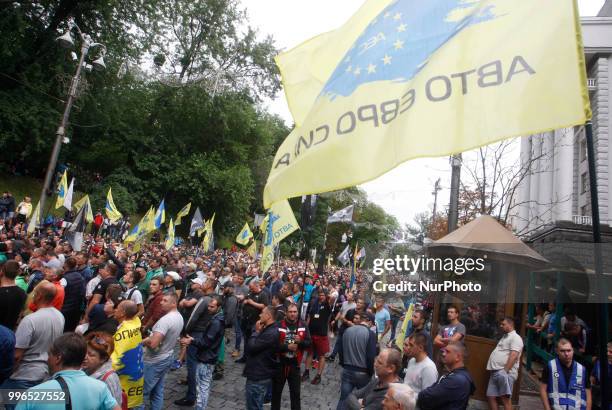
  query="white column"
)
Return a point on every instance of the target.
[
  {"x": 534, "y": 186},
  {"x": 546, "y": 178},
  {"x": 564, "y": 174},
  {"x": 524, "y": 189}
]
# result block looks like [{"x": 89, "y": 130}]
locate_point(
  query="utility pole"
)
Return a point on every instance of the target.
[
  {"x": 66, "y": 41},
  {"x": 435, "y": 206},
  {"x": 453, "y": 211}
]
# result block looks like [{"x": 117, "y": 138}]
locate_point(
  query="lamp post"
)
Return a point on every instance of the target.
[{"x": 66, "y": 41}]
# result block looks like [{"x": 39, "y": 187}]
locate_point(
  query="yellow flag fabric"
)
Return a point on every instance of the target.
[
  {"x": 148, "y": 221},
  {"x": 111, "y": 210},
  {"x": 276, "y": 226},
  {"x": 183, "y": 212},
  {"x": 35, "y": 219},
  {"x": 252, "y": 250},
  {"x": 404, "y": 79},
  {"x": 62, "y": 190},
  {"x": 146, "y": 225},
  {"x": 267, "y": 244},
  {"x": 245, "y": 235},
  {"x": 207, "y": 242},
  {"x": 170, "y": 239},
  {"x": 79, "y": 204},
  {"x": 400, "y": 337},
  {"x": 283, "y": 221},
  {"x": 127, "y": 359}
]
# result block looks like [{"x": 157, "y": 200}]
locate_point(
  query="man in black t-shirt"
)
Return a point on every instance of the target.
[
  {"x": 318, "y": 315},
  {"x": 12, "y": 297},
  {"x": 108, "y": 273},
  {"x": 252, "y": 305}
]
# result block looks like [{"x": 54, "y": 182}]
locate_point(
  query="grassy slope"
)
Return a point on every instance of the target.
[{"x": 26, "y": 186}]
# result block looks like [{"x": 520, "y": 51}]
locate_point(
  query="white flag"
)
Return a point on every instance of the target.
[
  {"x": 345, "y": 256},
  {"x": 68, "y": 196},
  {"x": 343, "y": 215}
]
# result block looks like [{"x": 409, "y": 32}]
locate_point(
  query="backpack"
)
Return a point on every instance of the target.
[{"x": 124, "y": 397}]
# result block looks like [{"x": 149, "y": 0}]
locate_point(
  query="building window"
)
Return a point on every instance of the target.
[
  {"x": 584, "y": 182},
  {"x": 583, "y": 150},
  {"x": 584, "y": 210}
]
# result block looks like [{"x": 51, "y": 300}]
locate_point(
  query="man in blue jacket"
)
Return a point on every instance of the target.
[
  {"x": 262, "y": 360},
  {"x": 453, "y": 390}
]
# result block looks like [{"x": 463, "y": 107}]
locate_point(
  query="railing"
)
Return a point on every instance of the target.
[
  {"x": 591, "y": 84},
  {"x": 582, "y": 220}
]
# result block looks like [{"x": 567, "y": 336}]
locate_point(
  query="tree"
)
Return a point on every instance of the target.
[
  {"x": 201, "y": 42},
  {"x": 371, "y": 224}
]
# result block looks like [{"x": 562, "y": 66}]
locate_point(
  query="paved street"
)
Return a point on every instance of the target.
[{"x": 229, "y": 392}]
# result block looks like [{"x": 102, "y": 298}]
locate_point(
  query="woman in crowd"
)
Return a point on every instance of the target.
[{"x": 98, "y": 365}]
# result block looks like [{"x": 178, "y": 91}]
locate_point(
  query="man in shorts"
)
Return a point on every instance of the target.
[
  {"x": 503, "y": 364},
  {"x": 319, "y": 313}
]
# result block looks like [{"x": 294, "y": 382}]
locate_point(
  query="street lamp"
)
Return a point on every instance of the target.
[{"x": 66, "y": 41}]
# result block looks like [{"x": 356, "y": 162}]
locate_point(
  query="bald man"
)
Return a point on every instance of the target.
[{"x": 33, "y": 338}]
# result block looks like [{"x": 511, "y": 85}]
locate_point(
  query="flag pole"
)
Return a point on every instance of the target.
[
  {"x": 601, "y": 293},
  {"x": 322, "y": 258}
]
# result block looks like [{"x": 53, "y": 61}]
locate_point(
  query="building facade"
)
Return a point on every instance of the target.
[{"x": 554, "y": 193}]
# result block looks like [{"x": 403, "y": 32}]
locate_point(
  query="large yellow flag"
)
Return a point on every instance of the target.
[
  {"x": 111, "y": 210},
  {"x": 406, "y": 79},
  {"x": 62, "y": 190},
  {"x": 79, "y": 204}
]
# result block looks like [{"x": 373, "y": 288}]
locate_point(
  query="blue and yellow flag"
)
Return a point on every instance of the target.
[
  {"x": 128, "y": 361},
  {"x": 245, "y": 235},
  {"x": 160, "y": 215},
  {"x": 142, "y": 228},
  {"x": 170, "y": 239},
  {"x": 401, "y": 335},
  {"x": 111, "y": 210},
  {"x": 408, "y": 79},
  {"x": 279, "y": 223},
  {"x": 62, "y": 190},
  {"x": 183, "y": 212}
]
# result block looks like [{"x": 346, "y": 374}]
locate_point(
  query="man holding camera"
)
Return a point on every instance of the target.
[{"x": 294, "y": 339}]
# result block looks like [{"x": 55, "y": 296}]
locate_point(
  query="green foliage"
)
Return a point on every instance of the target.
[
  {"x": 176, "y": 115},
  {"x": 124, "y": 201}
]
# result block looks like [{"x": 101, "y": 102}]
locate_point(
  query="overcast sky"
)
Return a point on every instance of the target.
[{"x": 406, "y": 190}]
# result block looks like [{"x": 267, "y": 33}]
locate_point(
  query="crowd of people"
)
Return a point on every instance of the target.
[{"x": 106, "y": 324}]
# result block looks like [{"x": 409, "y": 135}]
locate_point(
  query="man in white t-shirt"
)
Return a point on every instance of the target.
[
  {"x": 159, "y": 349},
  {"x": 33, "y": 338},
  {"x": 503, "y": 364},
  {"x": 421, "y": 371}
]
